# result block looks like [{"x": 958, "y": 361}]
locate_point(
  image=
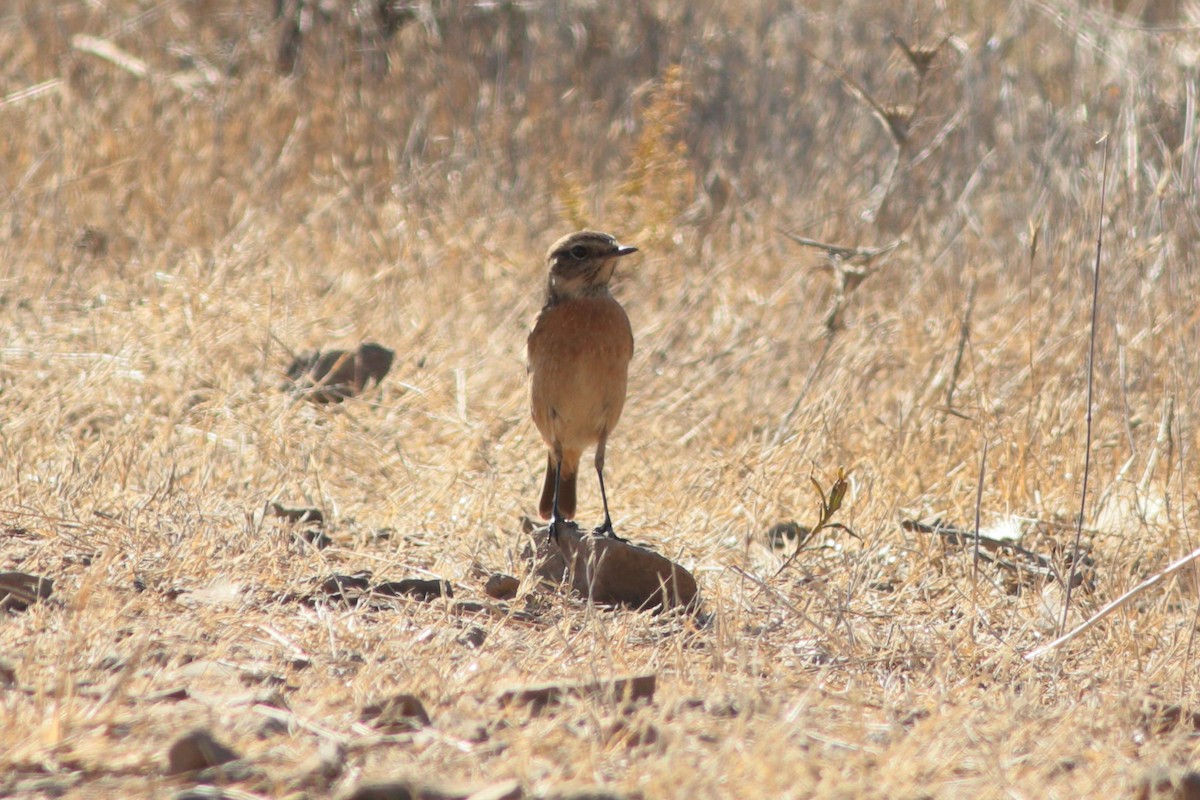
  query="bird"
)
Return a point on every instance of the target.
[{"x": 578, "y": 359}]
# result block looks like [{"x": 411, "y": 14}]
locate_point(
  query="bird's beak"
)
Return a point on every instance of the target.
[{"x": 624, "y": 251}]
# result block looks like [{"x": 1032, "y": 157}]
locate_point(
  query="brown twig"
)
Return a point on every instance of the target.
[
  {"x": 957, "y": 536},
  {"x": 843, "y": 252}
]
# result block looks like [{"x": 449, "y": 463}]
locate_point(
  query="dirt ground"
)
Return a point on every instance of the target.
[{"x": 195, "y": 192}]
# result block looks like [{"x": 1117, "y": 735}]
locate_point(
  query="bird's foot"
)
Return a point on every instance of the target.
[
  {"x": 553, "y": 528},
  {"x": 606, "y": 531}
]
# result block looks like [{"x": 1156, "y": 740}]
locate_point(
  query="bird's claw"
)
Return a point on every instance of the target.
[
  {"x": 606, "y": 531},
  {"x": 552, "y": 529}
]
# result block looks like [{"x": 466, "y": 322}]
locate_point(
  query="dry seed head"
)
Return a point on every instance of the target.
[
  {"x": 921, "y": 57},
  {"x": 898, "y": 118}
]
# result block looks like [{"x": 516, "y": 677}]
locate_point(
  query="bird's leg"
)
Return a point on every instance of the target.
[
  {"x": 606, "y": 527},
  {"x": 554, "y": 516}
]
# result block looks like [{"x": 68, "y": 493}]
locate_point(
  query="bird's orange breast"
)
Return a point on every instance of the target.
[{"x": 579, "y": 353}]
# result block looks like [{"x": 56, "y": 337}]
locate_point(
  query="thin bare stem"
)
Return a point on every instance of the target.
[
  {"x": 786, "y": 422},
  {"x": 978, "y": 507},
  {"x": 1114, "y": 605},
  {"x": 1091, "y": 369},
  {"x": 964, "y": 334}
]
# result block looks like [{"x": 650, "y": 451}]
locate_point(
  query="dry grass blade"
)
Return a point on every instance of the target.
[
  {"x": 30, "y": 92},
  {"x": 1172, "y": 569},
  {"x": 197, "y": 193},
  {"x": 108, "y": 51}
]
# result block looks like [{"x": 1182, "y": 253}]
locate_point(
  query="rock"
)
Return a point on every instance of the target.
[
  {"x": 787, "y": 534},
  {"x": 592, "y": 793},
  {"x": 313, "y": 536},
  {"x": 321, "y": 771},
  {"x": 631, "y": 736},
  {"x": 1161, "y": 784},
  {"x": 271, "y": 727},
  {"x": 8, "y": 674},
  {"x": 472, "y": 637},
  {"x": 397, "y": 714},
  {"x": 171, "y": 694},
  {"x": 391, "y": 790},
  {"x": 421, "y": 589},
  {"x": 1159, "y": 719},
  {"x": 334, "y": 375},
  {"x": 413, "y": 790},
  {"x": 20, "y": 590},
  {"x": 197, "y": 750},
  {"x": 310, "y": 522},
  {"x": 548, "y": 561},
  {"x": 203, "y": 793},
  {"x": 297, "y": 515},
  {"x": 501, "y": 587},
  {"x": 345, "y": 588},
  {"x": 626, "y": 689},
  {"x": 92, "y": 241},
  {"x": 613, "y": 572}
]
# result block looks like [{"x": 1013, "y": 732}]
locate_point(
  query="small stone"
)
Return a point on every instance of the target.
[
  {"x": 8, "y": 674},
  {"x": 312, "y": 536},
  {"x": 472, "y": 637},
  {"x": 421, "y": 589},
  {"x": 312, "y": 516},
  {"x": 1160, "y": 784},
  {"x": 465, "y": 607},
  {"x": 502, "y": 587},
  {"x": 411, "y": 790},
  {"x": 271, "y": 727},
  {"x": 613, "y": 572},
  {"x": 20, "y": 590},
  {"x": 322, "y": 770},
  {"x": 632, "y": 735},
  {"x": 172, "y": 694},
  {"x": 346, "y": 588},
  {"x": 334, "y": 375},
  {"x": 391, "y": 790},
  {"x": 197, "y": 750},
  {"x": 202, "y": 793},
  {"x": 593, "y": 793},
  {"x": 786, "y": 534},
  {"x": 92, "y": 241},
  {"x": 397, "y": 714},
  {"x": 625, "y": 689},
  {"x": 1159, "y": 719}
]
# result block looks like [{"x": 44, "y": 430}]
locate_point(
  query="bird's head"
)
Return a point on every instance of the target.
[{"x": 582, "y": 263}]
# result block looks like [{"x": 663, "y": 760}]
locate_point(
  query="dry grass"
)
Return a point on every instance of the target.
[{"x": 171, "y": 224}]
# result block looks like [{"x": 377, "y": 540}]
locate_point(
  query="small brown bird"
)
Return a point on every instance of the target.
[{"x": 579, "y": 352}]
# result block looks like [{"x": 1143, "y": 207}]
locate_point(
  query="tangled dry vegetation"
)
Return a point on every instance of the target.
[{"x": 195, "y": 191}]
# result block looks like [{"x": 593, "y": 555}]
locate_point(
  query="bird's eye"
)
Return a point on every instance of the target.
[{"x": 578, "y": 251}]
